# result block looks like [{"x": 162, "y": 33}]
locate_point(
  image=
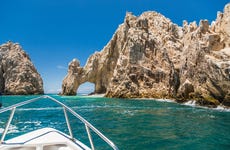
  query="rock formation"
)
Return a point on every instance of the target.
[
  {"x": 18, "y": 75},
  {"x": 149, "y": 56}
]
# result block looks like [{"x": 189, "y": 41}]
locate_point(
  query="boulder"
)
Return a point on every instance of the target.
[{"x": 18, "y": 76}]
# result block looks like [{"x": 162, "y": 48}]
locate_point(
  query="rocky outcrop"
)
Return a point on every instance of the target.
[
  {"x": 149, "y": 56},
  {"x": 18, "y": 75}
]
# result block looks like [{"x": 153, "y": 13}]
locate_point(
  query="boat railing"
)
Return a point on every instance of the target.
[{"x": 88, "y": 125}]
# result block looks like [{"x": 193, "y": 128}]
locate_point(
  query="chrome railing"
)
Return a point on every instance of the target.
[{"x": 88, "y": 126}]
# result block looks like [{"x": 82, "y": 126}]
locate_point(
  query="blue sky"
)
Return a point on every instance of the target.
[{"x": 53, "y": 32}]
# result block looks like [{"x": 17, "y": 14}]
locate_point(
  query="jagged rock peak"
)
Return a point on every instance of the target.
[
  {"x": 18, "y": 76},
  {"x": 149, "y": 56}
]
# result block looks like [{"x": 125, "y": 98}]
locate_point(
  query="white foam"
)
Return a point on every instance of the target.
[
  {"x": 1, "y": 130},
  {"x": 190, "y": 103},
  {"x": 94, "y": 95},
  {"x": 222, "y": 108},
  {"x": 165, "y": 100},
  {"x": 218, "y": 108},
  {"x": 12, "y": 129},
  {"x": 128, "y": 112},
  {"x": 46, "y": 108},
  {"x": 160, "y": 100},
  {"x": 211, "y": 116},
  {"x": 36, "y": 123}
]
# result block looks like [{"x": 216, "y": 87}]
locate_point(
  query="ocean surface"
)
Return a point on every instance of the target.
[{"x": 130, "y": 124}]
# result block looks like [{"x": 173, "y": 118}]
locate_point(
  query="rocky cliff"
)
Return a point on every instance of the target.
[
  {"x": 18, "y": 75},
  {"x": 149, "y": 56}
]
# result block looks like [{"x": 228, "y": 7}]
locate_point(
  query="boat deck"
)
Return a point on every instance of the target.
[{"x": 43, "y": 139}]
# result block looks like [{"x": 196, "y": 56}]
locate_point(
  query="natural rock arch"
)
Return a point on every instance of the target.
[
  {"x": 149, "y": 56},
  {"x": 98, "y": 70}
]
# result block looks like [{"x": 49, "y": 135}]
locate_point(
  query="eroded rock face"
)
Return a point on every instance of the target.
[
  {"x": 18, "y": 75},
  {"x": 149, "y": 56}
]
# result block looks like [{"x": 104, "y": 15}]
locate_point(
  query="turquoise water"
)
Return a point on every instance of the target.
[{"x": 130, "y": 124}]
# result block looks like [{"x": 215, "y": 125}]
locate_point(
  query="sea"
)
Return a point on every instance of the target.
[{"x": 132, "y": 124}]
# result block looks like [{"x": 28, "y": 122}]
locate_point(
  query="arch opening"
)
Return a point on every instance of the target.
[{"x": 86, "y": 88}]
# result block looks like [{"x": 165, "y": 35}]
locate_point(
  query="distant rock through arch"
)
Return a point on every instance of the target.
[{"x": 86, "y": 88}]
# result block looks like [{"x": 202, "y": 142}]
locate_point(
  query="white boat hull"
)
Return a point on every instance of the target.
[{"x": 43, "y": 139}]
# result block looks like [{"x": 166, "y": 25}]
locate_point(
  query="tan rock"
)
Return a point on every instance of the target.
[
  {"x": 18, "y": 75},
  {"x": 149, "y": 56},
  {"x": 185, "y": 89}
]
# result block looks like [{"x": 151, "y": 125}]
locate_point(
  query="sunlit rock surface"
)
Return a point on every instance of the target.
[
  {"x": 18, "y": 76},
  {"x": 149, "y": 56}
]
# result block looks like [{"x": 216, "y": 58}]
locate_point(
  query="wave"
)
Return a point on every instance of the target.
[
  {"x": 45, "y": 108},
  {"x": 87, "y": 107},
  {"x": 165, "y": 100},
  {"x": 160, "y": 100},
  {"x": 222, "y": 108},
  {"x": 129, "y": 113},
  {"x": 110, "y": 106},
  {"x": 12, "y": 129},
  {"x": 36, "y": 123},
  {"x": 192, "y": 103},
  {"x": 93, "y": 95}
]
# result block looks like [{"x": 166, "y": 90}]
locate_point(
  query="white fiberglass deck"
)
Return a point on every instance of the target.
[{"x": 43, "y": 139}]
